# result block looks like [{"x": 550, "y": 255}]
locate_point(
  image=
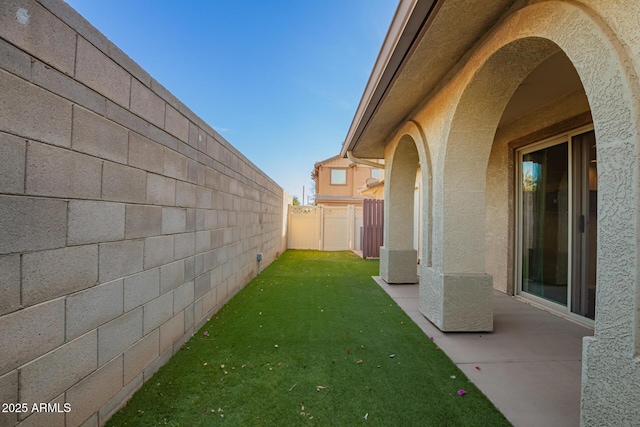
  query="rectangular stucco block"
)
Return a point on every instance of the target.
[
  {"x": 123, "y": 184},
  {"x": 34, "y": 113},
  {"x": 174, "y": 220},
  {"x": 147, "y": 104},
  {"x": 158, "y": 251},
  {"x": 95, "y": 222},
  {"x": 48, "y": 376},
  {"x": 102, "y": 74},
  {"x": 56, "y": 172},
  {"x": 157, "y": 311},
  {"x": 53, "y": 273},
  {"x": 118, "y": 259},
  {"x": 118, "y": 335},
  {"x": 171, "y": 331},
  {"x": 29, "y": 333},
  {"x": 145, "y": 153},
  {"x": 161, "y": 190},
  {"x": 95, "y": 135},
  {"x": 93, "y": 307},
  {"x": 185, "y": 194},
  {"x": 176, "y": 124},
  {"x": 141, "y": 288},
  {"x": 38, "y": 32},
  {"x": 171, "y": 276},
  {"x": 143, "y": 221},
  {"x": 140, "y": 355},
  {"x": 10, "y": 289},
  {"x": 90, "y": 394},
  {"x": 29, "y": 224},
  {"x": 13, "y": 152},
  {"x": 9, "y": 393}
]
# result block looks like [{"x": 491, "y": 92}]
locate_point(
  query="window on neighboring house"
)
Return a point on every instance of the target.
[
  {"x": 375, "y": 173},
  {"x": 338, "y": 176}
]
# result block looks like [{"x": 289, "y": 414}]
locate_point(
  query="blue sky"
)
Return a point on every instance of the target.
[{"x": 280, "y": 80}]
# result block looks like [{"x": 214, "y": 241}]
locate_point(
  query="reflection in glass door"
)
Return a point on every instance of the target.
[{"x": 545, "y": 205}]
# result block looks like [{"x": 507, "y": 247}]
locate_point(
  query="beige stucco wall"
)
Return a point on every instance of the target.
[
  {"x": 357, "y": 176},
  {"x": 471, "y": 190},
  {"x": 125, "y": 220}
]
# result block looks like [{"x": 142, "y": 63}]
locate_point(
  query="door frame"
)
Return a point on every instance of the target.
[{"x": 564, "y": 137}]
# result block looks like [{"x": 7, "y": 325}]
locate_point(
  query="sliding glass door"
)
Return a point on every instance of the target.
[{"x": 557, "y": 222}]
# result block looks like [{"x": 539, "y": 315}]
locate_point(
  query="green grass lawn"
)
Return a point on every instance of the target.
[{"x": 312, "y": 340}]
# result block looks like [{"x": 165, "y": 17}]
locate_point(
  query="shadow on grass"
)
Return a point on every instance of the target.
[{"x": 311, "y": 340}]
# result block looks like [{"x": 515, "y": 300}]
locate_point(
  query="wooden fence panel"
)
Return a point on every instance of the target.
[{"x": 373, "y": 220}]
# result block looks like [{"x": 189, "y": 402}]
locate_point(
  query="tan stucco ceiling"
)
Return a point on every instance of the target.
[
  {"x": 552, "y": 79},
  {"x": 451, "y": 30}
]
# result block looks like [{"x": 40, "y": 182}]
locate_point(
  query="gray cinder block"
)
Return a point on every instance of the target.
[
  {"x": 48, "y": 376},
  {"x": 10, "y": 289},
  {"x": 141, "y": 288},
  {"x": 157, "y": 311},
  {"x": 101, "y": 73},
  {"x": 174, "y": 220},
  {"x": 123, "y": 184},
  {"x": 53, "y": 273},
  {"x": 145, "y": 153},
  {"x": 158, "y": 251},
  {"x": 143, "y": 221},
  {"x": 147, "y": 104},
  {"x": 30, "y": 333},
  {"x": 30, "y": 224},
  {"x": 93, "y": 307},
  {"x": 171, "y": 276},
  {"x": 118, "y": 335},
  {"x": 95, "y": 222},
  {"x": 100, "y": 137},
  {"x": 161, "y": 190},
  {"x": 90, "y": 394},
  {"x": 118, "y": 259},
  {"x": 57, "y": 172},
  {"x": 13, "y": 152}
]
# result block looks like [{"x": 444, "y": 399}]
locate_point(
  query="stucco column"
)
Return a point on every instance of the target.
[
  {"x": 398, "y": 258},
  {"x": 398, "y": 266}
]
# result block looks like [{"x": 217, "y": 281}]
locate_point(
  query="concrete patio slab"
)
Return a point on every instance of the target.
[{"x": 529, "y": 366}]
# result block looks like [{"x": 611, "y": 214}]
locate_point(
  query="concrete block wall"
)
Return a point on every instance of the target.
[{"x": 125, "y": 220}]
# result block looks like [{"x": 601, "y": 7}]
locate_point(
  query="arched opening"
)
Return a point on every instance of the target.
[
  {"x": 399, "y": 255},
  {"x": 602, "y": 62},
  {"x": 541, "y": 193}
]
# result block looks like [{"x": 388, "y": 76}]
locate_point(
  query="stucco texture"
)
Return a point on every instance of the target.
[{"x": 469, "y": 212}]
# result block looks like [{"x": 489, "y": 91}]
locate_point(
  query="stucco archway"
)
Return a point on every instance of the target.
[
  {"x": 611, "y": 368},
  {"x": 406, "y": 156}
]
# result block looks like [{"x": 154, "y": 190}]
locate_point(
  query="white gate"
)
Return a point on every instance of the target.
[{"x": 329, "y": 228}]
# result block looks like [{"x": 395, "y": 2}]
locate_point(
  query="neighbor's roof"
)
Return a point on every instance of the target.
[{"x": 425, "y": 41}]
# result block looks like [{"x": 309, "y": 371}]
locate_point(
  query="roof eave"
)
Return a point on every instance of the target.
[{"x": 408, "y": 22}]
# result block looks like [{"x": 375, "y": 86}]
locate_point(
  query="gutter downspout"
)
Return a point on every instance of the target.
[{"x": 358, "y": 160}]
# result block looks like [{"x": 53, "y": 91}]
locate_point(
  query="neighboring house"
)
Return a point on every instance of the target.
[
  {"x": 341, "y": 182},
  {"x": 522, "y": 118}
]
